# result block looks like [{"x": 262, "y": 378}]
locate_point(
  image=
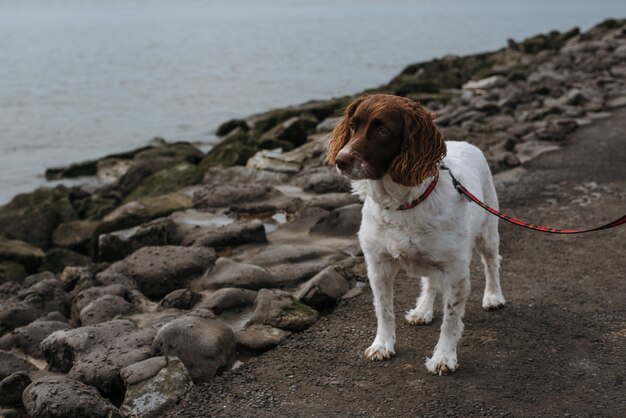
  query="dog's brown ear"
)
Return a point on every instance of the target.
[
  {"x": 341, "y": 134},
  {"x": 422, "y": 150}
]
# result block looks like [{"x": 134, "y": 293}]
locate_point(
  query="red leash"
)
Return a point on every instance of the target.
[{"x": 463, "y": 191}]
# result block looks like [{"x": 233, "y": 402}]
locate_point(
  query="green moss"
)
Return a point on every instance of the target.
[{"x": 167, "y": 180}]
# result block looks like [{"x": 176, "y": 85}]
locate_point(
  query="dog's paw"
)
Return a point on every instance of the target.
[
  {"x": 417, "y": 317},
  {"x": 442, "y": 362},
  {"x": 379, "y": 351},
  {"x": 493, "y": 302}
]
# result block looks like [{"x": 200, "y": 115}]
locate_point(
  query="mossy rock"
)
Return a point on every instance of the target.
[
  {"x": 33, "y": 217},
  {"x": 12, "y": 272},
  {"x": 236, "y": 148},
  {"x": 58, "y": 258},
  {"x": 95, "y": 207},
  {"x": 167, "y": 180},
  {"x": 21, "y": 252}
]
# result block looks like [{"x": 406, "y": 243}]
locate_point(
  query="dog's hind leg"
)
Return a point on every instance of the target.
[
  {"x": 487, "y": 246},
  {"x": 381, "y": 271},
  {"x": 457, "y": 289},
  {"x": 423, "y": 312}
]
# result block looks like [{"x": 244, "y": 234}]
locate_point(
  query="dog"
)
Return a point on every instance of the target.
[{"x": 413, "y": 217}]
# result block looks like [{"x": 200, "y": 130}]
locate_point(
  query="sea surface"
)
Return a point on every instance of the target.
[{"x": 83, "y": 78}]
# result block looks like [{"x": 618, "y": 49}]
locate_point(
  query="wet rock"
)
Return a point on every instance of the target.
[
  {"x": 293, "y": 130},
  {"x": 11, "y": 272},
  {"x": 324, "y": 289},
  {"x": 57, "y": 259},
  {"x": 28, "y": 338},
  {"x": 325, "y": 180},
  {"x": 95, "y": 354},
  {"x": 229, "y": 273},
  {"x": 16, "y": 313},
  {"x": 167, "y": 180},
  {"x": 75, "y": 235},
  {"x": 21, "y": 252},
  {"x": 229, "y": 126},
  {"x": 95, "y": 206},
  {"x": 328, "y": 124},
  {"x": 242, "y": 175},
  {"x": 177, "y": 151},
  {"x": 320, "y": 109},
  {"x": 289, "y": 275},
  {"x": 232, "y": 235},
  {"x": 344, "y": 221},
  {"x": 279, "y": 309},
  {"x": 229, "y": 194},
  {"x": 62, "y": 397},
  {"x": 104, "y": 309},
  {"x": 273, "y": 161},
  {"x": 159, "y": 270},
  {"x": 10, "y": 363},
  {"x": 330, "y": 201},
  {"x": 485, "y": 83},
  {"x": 226, "y": 298},
  {"x": 204, "y": 344},
  {"x": 144, "y": 210},
  {"x": 292, "y": 253},
  {"x": 47, "y": 295},
  {"x": 179, "y": 299},
  {"x": 119, "y": 244},
  {"x": 85, "y": 168},
  {"x": 33, "y": 217},
  {"x": 260, "y": 338},
  {"x": 12, "y": 387},
  {"x": 154, "y": 386},
  {"x": 85, "y": 297},
  {"x": 235, "y": 149}
]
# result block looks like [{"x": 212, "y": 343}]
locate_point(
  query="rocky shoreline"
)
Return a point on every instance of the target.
[{"x": 119, "y": 295}]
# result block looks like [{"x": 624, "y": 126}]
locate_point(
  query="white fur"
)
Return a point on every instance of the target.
[{"x": 433, "y": 241}]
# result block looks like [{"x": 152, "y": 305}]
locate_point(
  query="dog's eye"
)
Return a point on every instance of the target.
[{"x": 382, "y": 131}]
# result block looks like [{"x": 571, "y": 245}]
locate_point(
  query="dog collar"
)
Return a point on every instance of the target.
[{"x": 427, "y": 192}]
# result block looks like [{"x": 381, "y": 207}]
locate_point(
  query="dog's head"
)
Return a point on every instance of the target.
[{"x": 380, "y": 134}]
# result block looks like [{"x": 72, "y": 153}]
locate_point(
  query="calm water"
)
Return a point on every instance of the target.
[{"x": 83, "y": 78}]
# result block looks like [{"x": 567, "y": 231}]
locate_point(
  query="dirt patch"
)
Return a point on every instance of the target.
[{"x": 558, "y": 347}]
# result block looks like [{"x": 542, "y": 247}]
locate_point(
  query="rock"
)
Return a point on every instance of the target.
[
  {"x": 87, "y": 296},
  {"x": 330, "y": 201},
  {"x": 119, "y": 244},
  {"x": 324, "y": 289},
  {"x": 28, "y": 337},
  {"x": 272, "y": 161},
  {"x": 95, "y": 206},
  {"x": 320, "y": 109},
  {"x": 12, "y": 387},
  {"x": 110, "y": 170},
  {"x": 575, "y": 97},
  {"x": 180, "y": 299},
  {"x": 260, "y": 338},
  {"x": 616, "y": 102},
  {"x": 226, "y": 298},
  {"x": 57, "y": 259},
  {"x": 546, "y": 76},
  {"x": 289, "y": 275},
  {"x": 344, "y": 221},
  {"x": 232, "y": 235},
  {"x": 21, "y": 252},
  {"x": 159, "y": 270},
  {"x": 327, "y": 124},
  {"x": 291, "y": 253},
  {"x": 153, "y": 386},
  {"x": 235, "y": 149},
  {"x": 167, "y": 180},
  {"x": 62, "y": 397},
  {"x": 229, "y": 126},
  {"x": 10, "y": 413},
  {"x": 485, "y": 83},
  {"x": 324, "y": 181},
  {"x": 229, "y": 273},
  {"x": 85, "y": 168},
  {"x": 144, "y": 210},
  {"x": 204, "y": 344},
  {"x": 104, "y": 309},
  {"x": 95, "y": 354},
  {"x": 75, "y": 235},
  {"x": 11, "y": 272},
  {"x": 293, "y": 131},
  {"x": 176, "y": 151},
  {"x": 10, "y": 363},
  {"x": 229, "y": 194},
  {"x": 279, "y": 309},
  {"x": 33, "y": 217},
  {"x": 242, "y": 175}
]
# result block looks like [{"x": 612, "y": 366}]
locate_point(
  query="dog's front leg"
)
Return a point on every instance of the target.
[
  {"x": 456, "y": 291},
  {"x": 381, "y": 271}
]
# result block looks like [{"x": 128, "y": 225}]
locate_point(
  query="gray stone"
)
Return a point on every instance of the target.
[
  {"x": 62, "y": 397},
  {"x": 204, "y": 344},
  {"x": 57, "y": 259},
  {"x": 226, "y": 298},
  {"x": 87, "y": 296},
  {"x": 21, "y": 252},
  {"x": 160, "y": 270},
  {"x": 330, "y": 201},
  {"x": 75, "y": 235},
  {"x": 10, "y": 363},
  {"x": 116, "y": 245},
  {"x": 324, "y": 289},
  {"x": 154, "y": 386},
  {"x": 179, "y": 299},
  {"x": 232, "y": 235},
  {"x": 229, "y": 273},
  {"x": 279, "y": 309},
  {"x": 344, "y": 221},
  {"x": 243, "y": 175},
  {"x": 325, "y": 180},
  {"x": 289, "y": 275},
  {"x": 104, "y": 309},
  {"x": 228, "y": 194},
  {"x": 260, "y": 338},
  {"x": 28, "y": 338},
  {"x": 291, "y": 253},
  {"x": 12, "y": 387}
]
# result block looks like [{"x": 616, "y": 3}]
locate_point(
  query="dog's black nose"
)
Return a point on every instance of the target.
[{"x": 344, "y": 160}]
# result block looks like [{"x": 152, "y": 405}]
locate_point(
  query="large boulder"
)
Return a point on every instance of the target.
[
  {"x": 229, "y": 194},
  {"x": 75, "y": 235},
  {"x": 229, "y": 273},
  {"x": 10, "y": 363},
  {"x": 21, "y": 252},
  {"x": 153, "y": 386},
  {"x": 324, "y": 289},
  {"x": 260, "y": 338},
  {"x": 104, "y": 309},
  {"x": 158, "y": 270},
  {"x": 119, "y": 244},
  {"x": 167, "y": 180},
  {"x": 28, "y": 337},
  {"x": 344, "y": 221},
  {"x": 57, "y": 259},
  {"x": 227, "y": 298},
  {"x": 12, "y": 387},
  {"x": 62, "y": 397},
  {"x": 237, "y": 233},
  {"x": 279, "y": 309},
  {"x": 204, "y": 344}
]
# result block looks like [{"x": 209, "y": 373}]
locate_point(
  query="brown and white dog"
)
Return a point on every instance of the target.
[{"x": 392, "y": 151}]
